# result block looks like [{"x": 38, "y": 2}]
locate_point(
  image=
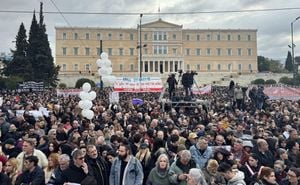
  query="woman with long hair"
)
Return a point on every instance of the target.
[
  {"x": 266, "y": 177},
  {"x": 144, "y": 156},
  {"x": 11, "y": 169},
  {"x": 52, "y": 164},
  {"x": 251, "y": 169},
  {"x": 159, "y": 174}
]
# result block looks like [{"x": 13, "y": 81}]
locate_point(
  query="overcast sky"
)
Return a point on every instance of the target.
[{"x": 274, "y": 27}]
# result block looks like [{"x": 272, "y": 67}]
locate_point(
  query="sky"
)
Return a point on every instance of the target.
[{"x": 272, "y": 21}]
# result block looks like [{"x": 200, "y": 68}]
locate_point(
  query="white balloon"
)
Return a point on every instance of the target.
[
  {"x": 99, "y": 72},
  {"x": 89, "y": 114},
  {"x": 84, "y": 95},
  {"x": 112, "y": 79},
  {"x": 80, "y": 103},
  {"x": 105, "y": 79},
  {"x": 98, "y": 62},
  {"x": 107, "y": 63},
  {"x": 104, "y": 55},
  {"x": 92, "y": 95},
  {"x": 109, "y": 70},
  {"x": 84, "y": 112},
  {"x": 86, "y": 87},
  {"x": 87, "y": 104}
]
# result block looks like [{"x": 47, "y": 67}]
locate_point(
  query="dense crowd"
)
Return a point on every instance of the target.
[{"x": 242, "y": 137}]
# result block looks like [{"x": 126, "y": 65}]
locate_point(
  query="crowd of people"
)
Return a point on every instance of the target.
[{"x": 241, "y": 138}]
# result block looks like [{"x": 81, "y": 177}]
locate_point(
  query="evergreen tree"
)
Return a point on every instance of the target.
[
  {"x": 289, "y": 62},
  {"x": 39, "y": 52},
  {"x": 20, "y": 66}
]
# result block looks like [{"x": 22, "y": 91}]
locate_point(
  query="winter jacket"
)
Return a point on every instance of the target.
[
  {"x": 178, "y": 168},
  {"x": 238, "y": 179},
  {"x": 157, "y": 177},
  {"x": 133, "y": 173},
  {"x": 36, "y": 177},
  {"x": 200, "y": 159},
  {"x": 75, "y": 174}
]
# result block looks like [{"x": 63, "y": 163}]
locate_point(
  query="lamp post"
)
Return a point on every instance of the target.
[
  {"x": 295, "y": 67},
  {"x": 140, "y": 46}
]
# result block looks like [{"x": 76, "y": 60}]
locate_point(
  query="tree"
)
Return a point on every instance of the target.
[
  {"x": 39, "y": 52},
  {"x": 266, "y": 64},
  {"x": 81, "y": 81},
  {"x": 20, "y": 66},
  {"x": 289, "y": 62}
]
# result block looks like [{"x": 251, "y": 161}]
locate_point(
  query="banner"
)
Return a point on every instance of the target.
[
  {"x": 31, "y": 86},
  {"x": 146, "y": 84},
  {"x": 67, "y": 92},
  {"x": 283, "y": 92},
  {"x": 203, "y": 90},
  {"x": 114, "y": 97}
]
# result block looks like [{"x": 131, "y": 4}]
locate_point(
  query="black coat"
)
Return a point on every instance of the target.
[
  {"x": 4, "y": 179},
  {"x": 36, "y": 177},
  {"x": 74, "y": 174},
  {"x": 99, "y": 169}
]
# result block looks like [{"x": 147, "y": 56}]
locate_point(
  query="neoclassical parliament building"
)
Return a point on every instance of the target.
[{"x": 166, "y": 48}]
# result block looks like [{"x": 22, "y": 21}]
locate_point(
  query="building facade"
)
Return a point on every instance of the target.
[{"x": 166, "y": 48}]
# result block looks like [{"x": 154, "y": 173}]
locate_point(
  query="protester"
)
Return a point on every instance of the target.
[
  {"x": 11, "y": 169},
  {"x": 233, "y": 176},
  {"x": 159, "y": 174},
  {"x": 266, "y": 177},
  {"x": 126, "y": 169},
  {"x": 32, "y": 174}
]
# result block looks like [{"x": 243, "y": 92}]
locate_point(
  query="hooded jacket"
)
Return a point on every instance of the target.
[{"x": 238, "y": 179}]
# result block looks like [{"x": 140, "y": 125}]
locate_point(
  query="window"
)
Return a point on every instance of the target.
[
  {"x": 240, "y": 67},
  {"x": 121, "y": 67},
  {"x": 208, "y": 37},
  {"x": 146, "y": 66},
  {"x": 98, "y": 52},
  {"x": 219, "y": 67},
  {"x": 146, "y": 37},
  {"x": 249, "y": 37},
  {"x": 131, "y": 67},
  {"x": 64, "y": 36},
  {"x": 174, "y": 36},
  {"x": 146, "y": 51},
  {"x": 110, "y": 51},
  {"x": 121, "y": 36},
  {"x": 121, "y": 51},
  {"x": 229, "y": 51},
  {"x": 160, "y": 50},
  {"x": 131, "y": 36},
  {"x": 174, "y": 51},
  {"x": 187, "y": 51},
  {"x": 75, "y": 67},
  {"x": 239, "y": 51},
  {"x": 98, "y": 36},
  {"x": 131, "y": 51},
  {"x": 160, "y": 35},
  {"x": 188, "y": 67},
  {"x": 165, "y": 48},
  {"x": 75, "y": 51},
  {"x": 187, "y": 37},
  {"x": 87, "y": 51},
  {"x": 64, "y": 51},
  {"x": 87, "y": 36},
  {"x": 75, "y": 36},
  {"x": 249, "y": 52},
  {"x": 218, "y": 37},
  {"x": 250, "y": 67},
  {"x": 228, "y": 37},
  {"x": 87, "y": 67},
  {"x": 229, "y": 67},
  {"x": 198, "y": 37},
  {"x": 155, "y": 50},
  {"x": 198, "y": 51},
  {"x": 208, "y": 67},
  {"x": 109, "y": 36},
  {"x": 208, "y": 52},
  {"x": 219, "y": 51},
  {"x": 64, "y": 67},
  {"x": 198, "y": 67},
  {"x": 239, "y": 37}
]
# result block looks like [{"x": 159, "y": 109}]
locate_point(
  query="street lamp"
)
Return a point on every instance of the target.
[
  {"x": 140, "y": 46},
  {"x": 295, "y": 67}
]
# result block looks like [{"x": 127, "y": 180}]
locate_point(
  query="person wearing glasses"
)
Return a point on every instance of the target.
[
  {"x": 78, "y": 171},
  {"x": 293, "y": 177}
]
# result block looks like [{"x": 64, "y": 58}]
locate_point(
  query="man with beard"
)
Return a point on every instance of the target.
[
  {"x": 99, "y": 168},
  {"x": 126, "y": 169}
]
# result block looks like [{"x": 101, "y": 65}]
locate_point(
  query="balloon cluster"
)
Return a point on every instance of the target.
[
  {"x": 85, "y": 103},
  {"x": 105, "y": 69}
]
